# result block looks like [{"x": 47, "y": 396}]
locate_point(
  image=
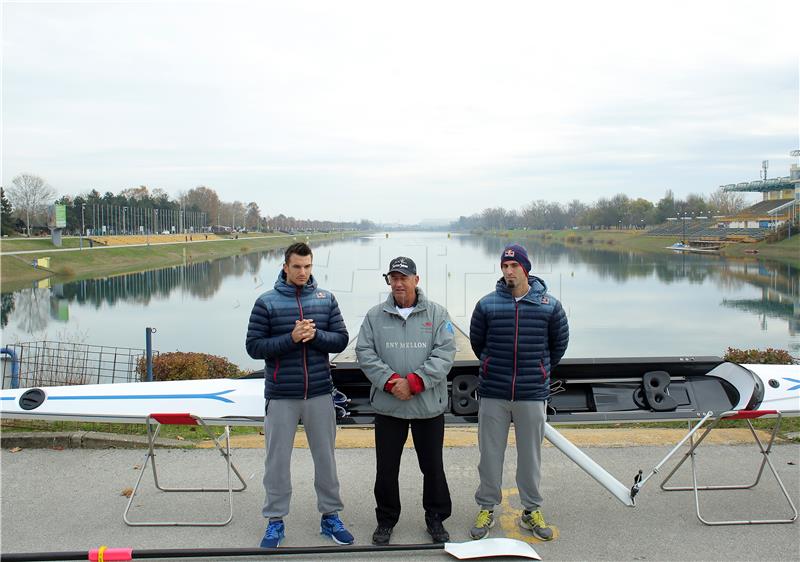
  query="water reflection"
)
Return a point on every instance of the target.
[{"x": 619, "y": 302}]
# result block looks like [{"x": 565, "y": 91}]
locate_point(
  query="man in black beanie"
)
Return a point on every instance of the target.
[{"x": 520, "y": 333}]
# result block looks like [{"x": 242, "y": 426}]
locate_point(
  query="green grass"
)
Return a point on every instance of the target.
[
  {"x": 787, "y": 251},
  {"x": 788, "y": 426},
  {"x": 40, "y": 243},
  {"x": 16, "y": 271},
  {"x": 187, "y": 433}
]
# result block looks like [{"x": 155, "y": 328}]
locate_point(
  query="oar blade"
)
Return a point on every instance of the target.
[{"x": 489, "y": 548}]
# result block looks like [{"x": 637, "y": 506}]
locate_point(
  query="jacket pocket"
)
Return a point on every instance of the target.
[{"x": 541, "y": 368}]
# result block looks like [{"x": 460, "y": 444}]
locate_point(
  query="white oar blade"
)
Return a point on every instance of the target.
[{"x": 488, "y": 548}]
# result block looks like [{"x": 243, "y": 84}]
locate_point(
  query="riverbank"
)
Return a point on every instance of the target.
[
  {"x": 17, "y": 271},
  {"x": 787, "y": 251}
]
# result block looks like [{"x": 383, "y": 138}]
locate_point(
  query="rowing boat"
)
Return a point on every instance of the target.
[{"x": 582, "y": 391}]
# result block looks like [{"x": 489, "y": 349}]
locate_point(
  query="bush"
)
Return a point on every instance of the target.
[
  {"x": 768, "y": 356},
  {"x": 179, "y": 366}
]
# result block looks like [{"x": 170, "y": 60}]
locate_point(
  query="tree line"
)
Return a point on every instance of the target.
[
  {"x": 619, "y": 211},
  {"x": 24, "y": 207}
]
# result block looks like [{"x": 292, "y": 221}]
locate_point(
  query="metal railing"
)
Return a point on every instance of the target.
[{"x": 52, "y": 363}]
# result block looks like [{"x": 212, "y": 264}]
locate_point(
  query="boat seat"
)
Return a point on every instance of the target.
[
  {"x": 153, "y": 423},
  {"x": 746, "y": 415}
]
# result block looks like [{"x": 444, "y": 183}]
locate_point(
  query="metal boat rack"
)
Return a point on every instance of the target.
[
  {"x": 764, "y": 451},
  {"x": 157, "y": 420}
]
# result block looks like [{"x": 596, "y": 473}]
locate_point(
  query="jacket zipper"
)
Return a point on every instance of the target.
[
  {"x": 544, "y": 373},
  {"x": 486, "y": 366},
  {"x": 516, "y": 335},
  {"x": 305, "y": 364},
  {"x": 275, "y": 372}
]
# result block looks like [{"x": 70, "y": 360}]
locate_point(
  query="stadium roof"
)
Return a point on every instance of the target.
[{"x": 772, "y": 184}]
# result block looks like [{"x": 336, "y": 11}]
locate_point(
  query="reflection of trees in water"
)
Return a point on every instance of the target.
[
  {"x": 6, "y": 308},
  {"x": 622, "y": 265},
  {"x": 198, "y": 278},
  {"x": 201, "y": 280},
  {"x": 32, "y": 308}
]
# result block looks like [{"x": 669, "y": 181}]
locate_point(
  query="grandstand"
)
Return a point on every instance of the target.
[
  {"x": 707, "y": 230},
  {"x": 780, "y": 206},
  {"x": 780, "y": 203},
  {"x": 130, "y": 240}
]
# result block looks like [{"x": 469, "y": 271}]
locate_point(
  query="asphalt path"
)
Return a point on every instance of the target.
[{"x": 72, "y": 499}]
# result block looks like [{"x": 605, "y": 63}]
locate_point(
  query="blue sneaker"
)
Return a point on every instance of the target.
[
  {"x": 331, "y": 526},
  {"x": 273, "y": 535}
]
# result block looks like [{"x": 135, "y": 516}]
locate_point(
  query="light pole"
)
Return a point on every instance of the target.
[
  {"x": 83, "y": 208},
  {"x": 124, "y": 213},
  {"x": 683, "y": 240}
]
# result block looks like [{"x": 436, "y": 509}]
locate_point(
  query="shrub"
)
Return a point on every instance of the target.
[
  {"x": 768, "y": 356},
  {"x": 178, "y": 366}
]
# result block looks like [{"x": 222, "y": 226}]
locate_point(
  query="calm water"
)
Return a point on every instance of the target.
[{"x": 619, "y": 304}]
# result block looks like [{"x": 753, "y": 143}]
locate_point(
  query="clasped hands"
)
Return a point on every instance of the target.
[
  {"x": 400, "y": 388},
  {"x": 304, "y": 331}
]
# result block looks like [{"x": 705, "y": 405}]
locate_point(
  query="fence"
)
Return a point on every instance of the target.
[{"x": 51, "y": 363}]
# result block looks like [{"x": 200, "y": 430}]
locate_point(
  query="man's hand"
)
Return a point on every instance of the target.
[
  {"x": 304, "y": 331},
  {"x": 400, "y": 389}
]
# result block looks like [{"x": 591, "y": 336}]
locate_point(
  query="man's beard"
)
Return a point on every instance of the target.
[{"x": 511, "y": 284}]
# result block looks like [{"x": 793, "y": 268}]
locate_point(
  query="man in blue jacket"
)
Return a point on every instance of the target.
[
  {"x": 294, "y": 328},
  {"x": 520, "y": 333}
]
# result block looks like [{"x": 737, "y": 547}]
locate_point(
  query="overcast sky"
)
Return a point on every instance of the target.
[{"x": 400, "y": 111}]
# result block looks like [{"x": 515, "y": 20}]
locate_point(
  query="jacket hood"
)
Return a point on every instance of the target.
[
  {"x": 538, "y": 287},
  {"x": 283, "y": 287}
]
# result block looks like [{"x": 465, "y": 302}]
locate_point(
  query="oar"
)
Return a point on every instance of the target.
[{"x": 472, "y": 549}]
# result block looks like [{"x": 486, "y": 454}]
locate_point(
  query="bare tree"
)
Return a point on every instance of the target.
[
  {"x": 726, "y": 202},
  {"x": 29, "y": 196}
]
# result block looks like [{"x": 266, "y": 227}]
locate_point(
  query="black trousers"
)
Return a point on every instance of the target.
[{"x": 390, "y": 437}]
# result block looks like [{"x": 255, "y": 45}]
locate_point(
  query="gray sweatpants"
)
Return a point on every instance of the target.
[
  {"x": 280, "y": 426},
  {"x": 494, "y": 419}
]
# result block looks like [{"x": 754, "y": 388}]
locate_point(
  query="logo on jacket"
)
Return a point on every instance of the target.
[
  {"x": 321, "y": 294},
  {"x": 545, "y": 300},
  {"x": 449, "y": 327},
  {"x": 428, "y": 324}
]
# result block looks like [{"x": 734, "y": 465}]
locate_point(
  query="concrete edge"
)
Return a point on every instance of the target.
[{"x": 82, "y": 440}]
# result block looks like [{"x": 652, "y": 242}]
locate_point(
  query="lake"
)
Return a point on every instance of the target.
[{"x": 619, "y": 303}]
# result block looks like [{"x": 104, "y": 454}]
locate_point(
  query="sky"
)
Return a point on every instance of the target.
[{"x": 400, "y": 111}]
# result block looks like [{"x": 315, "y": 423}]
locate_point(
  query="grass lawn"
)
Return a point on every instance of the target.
[
  {"x": 790, "y": 427},
  {"x": 16, "y": 271},
  {"x": 786, "y": 251}
]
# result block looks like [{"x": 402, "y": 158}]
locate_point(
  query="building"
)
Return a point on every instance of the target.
[{"x": 780, "y": 201}]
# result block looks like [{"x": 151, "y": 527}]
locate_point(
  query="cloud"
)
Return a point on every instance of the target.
[{"x": 365, "y": 106}]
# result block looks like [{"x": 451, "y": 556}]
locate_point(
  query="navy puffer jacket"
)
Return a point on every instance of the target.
[
  {"x": 295, "y": 370},
  {"x": 518, "y": 343}
]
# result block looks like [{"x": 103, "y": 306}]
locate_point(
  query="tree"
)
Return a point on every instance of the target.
[
  {"x": 252, "y": 218},
  {"x": 206, "y": 200},
  {"x": 30, "y": 195},
  {"x": 726, "y": 202},
  {"x": 7, "y": 211}
]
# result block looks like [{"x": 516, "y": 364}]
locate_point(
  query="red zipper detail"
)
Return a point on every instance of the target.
[
  {"x": 486, "y": 366},
  {"x": 305, "y": 363},
  {"x": 516, "y": 335},
  {"x": 544, "y": 373},
  {"x": 275, "y": 372}
]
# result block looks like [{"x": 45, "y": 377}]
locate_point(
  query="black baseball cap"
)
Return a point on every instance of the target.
[{"x": 403, "y": 265}]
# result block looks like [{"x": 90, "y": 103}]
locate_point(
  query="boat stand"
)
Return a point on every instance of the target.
[
  {"x": 154, "y": 423},
  {"x": 765, "y": 461}
]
